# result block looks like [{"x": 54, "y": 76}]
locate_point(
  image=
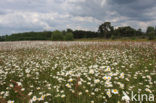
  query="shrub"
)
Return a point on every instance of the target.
[
  {"x": 133, "y": 38},
  {"x": 151, "y": 35},
  {"x": 69, "y": 36},
  {"x": 113, "y": 37},
  {"x": 57, "y": 35}
]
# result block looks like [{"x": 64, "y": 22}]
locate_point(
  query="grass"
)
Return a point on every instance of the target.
[
  {"x": 121, "y": 39},
  {"x": 76, "y": 72}
]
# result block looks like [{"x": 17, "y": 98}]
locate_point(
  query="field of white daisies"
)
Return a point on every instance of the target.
[{"x": 76, "y": 72}]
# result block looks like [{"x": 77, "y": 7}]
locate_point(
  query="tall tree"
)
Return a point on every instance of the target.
[
  {"x": 150, "y": 32},
  {"x": 139, "y": 32},
  {"x": 126, "y": 31},
  {"x": 105, "y": 29},
  {"x": 69, "y": 30},
  {"x": 150, "y": 29}
]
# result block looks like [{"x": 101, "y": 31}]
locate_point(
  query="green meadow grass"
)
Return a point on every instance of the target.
[{"x": 76, "y": 72}]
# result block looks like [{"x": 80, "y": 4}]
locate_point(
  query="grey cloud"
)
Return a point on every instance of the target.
[
  {"x": 133, "y": 9},
  {"x": 120, "y": 12},
  {"x": 38, "y": 15},
  {"x": 91, "y": 8}
]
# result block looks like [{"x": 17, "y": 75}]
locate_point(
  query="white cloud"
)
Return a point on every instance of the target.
[
  {"x": 39, "y": 15},
  {"x": 87, "y": 19}
]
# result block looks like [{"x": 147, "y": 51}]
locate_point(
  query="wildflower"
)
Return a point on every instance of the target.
[
  {"x": 121, "y": 86},
  {"x": 73, "y": 91},
  {"x": 86, "y": 91},
  {"x": 80, "y": 93},
  {"x": 62, "y": 91},
  {"x": 42, "y": 97},
  {"x": 115, "y": 64},
  {"x": 23, "y": 89},
  {"x": 48, "y": 94},
  {"x": 122, "y": 75},
  {"x": 102, "y": 67},
  {"x": 19, "y": 83},
  {"x": 115, "y": 91},
  {"x": 92, "y": 102},
  {"x": 11, "y": 85},
  {"x": 79, "y": 83},
  {"x": 148, "y": 90},
  {"x": 109, "y": 93},
  {"x": 105, "y": 78},
  {"x": 108, "y": 69},
  {"x": 27, "y": 71},
  {"x": 10, "y": 101},
  {"x": 49, "y": 88},
  {"x": 91, "y": 71},
  {"x": 127, "y": 79},
  {"x": 103, "y": 97},
  {"x": 96, "y": 89},
  {"x": 6, "y": 93},
  {"x": 68, "y": 85},
  {"x": 2, "y": 92},
  {"x": 96, "y": 81},
  {"x": 95, "y": 66},
  {"x": 88, "y": 83},
  {"x": 34, "y": 98},
  {"x": 70, "y": 72},
  {"x": 109, "y": 77},
  {"x": 62, "y": 96},
  {"x": 70, "y": 80},
  {"x": 28, "y": 75},
  {"x": 30, "y": 93},
  {"x": 38, "y": 88},
  {"x": 92, "y": 93}
]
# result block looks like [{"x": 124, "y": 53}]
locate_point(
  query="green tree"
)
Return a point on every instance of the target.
[
  {"x": 69, "y": 30},
  {"x": 150, "y": 32},
  {"x": 151, "y": 35},
  {"x": 105, "y": 30},
  {"x": 69, "y": 36},
  {"x": 139, "y": 32},
  {"x": 150, "y": 29},
  {"x": 57, "y": 36},
  {"x": 126, "y": 31}
]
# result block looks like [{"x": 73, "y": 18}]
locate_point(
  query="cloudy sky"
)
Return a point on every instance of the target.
[{"x": 39, "y": 15}]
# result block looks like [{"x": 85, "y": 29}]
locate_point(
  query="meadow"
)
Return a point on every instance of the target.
[{"x": 76, "y": 72}]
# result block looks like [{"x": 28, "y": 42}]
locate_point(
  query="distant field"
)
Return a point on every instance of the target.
[
  {"x": 121, "y": 39},
  {"x": 77, "y": 72}
]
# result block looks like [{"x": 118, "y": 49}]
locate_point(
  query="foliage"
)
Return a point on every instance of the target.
[
  {"x": 105, "y": 30},
  {"x": 126, "y": 31},
  {"x": 151, "y": 35},
  {"x": 113, "y": 37},
  {"x": 28, "y": 36},
  {"x": 2, "y": 38},
  {"x": 78, "y": 34},
  {"x": 69, "y": 30},
  {"x": 57, "y": 36},
  {"x": 69, "y": 36},
  {"x": 150, "y": 29}
]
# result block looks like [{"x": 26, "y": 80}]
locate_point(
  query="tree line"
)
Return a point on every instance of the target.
[{"x": 105, "y": 30}]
